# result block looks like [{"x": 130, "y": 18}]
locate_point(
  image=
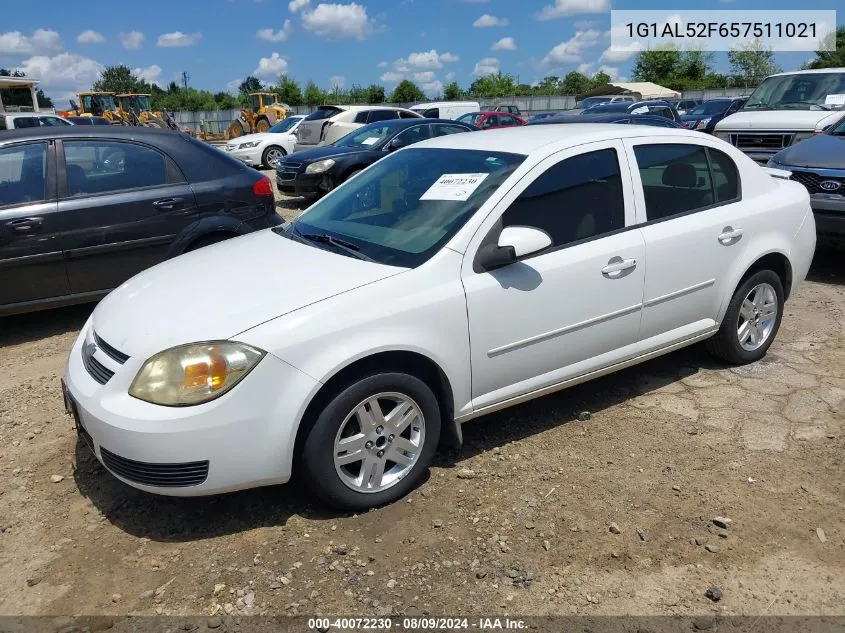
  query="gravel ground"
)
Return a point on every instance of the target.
[{"x": 604, "y": 499}]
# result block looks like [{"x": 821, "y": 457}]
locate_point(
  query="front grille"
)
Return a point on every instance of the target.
[
  {"x": 111, "y": 352},
  {"x": 812, "y": 182},
  {"x": 161, "y": 475},
  {"x": 98, "y": 371},
  {"x": 288, "y": 165},
  {"x": 761, "y": 142},
  {"x": 286, "y": 175}
]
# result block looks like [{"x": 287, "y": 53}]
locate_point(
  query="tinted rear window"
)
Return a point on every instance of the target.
[{"x": 323, "y": 112}]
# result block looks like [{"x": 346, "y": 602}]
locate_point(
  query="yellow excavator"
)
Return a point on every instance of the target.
[
  {"x": 96, "y": 104},
  {"x": 137, "y": 109},
  {"x": 264, "y": 111}
]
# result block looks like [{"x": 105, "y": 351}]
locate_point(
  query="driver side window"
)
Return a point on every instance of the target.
[{"x": 413, "y": 135}]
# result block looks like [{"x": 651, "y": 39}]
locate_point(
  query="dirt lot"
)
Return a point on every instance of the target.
[{"x": 546, "y": 510}]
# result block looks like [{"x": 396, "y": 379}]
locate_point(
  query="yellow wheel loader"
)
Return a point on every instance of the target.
[
  {"x": 97, "y": 104},
  {"x": 136, "y": 109},
  {"x": 264, "y": 111}
]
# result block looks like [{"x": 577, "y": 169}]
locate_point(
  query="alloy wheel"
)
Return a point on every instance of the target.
[{"x": 757, "y": 316}]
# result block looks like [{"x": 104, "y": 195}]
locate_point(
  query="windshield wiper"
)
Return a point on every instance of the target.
[{"x": 347, "y": 247}]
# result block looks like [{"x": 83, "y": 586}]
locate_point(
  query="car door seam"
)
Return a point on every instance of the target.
[{"x": 678, "y": 293}]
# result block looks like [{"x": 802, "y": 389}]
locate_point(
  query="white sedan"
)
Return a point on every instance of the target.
[
  {"x": 265, "y": 149},
  {"x": 455, "y": 277}
]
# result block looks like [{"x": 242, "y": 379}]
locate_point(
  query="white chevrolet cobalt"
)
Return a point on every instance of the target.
[{"x": 454, "y": 277}]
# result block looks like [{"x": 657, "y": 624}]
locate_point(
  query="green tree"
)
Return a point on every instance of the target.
[
  {"x": 17, "y": 97},
  {"x": 751, "y": 63},
  {"x": 314, "y": 96},
  {"x": 452, "y": 91},
  {"x": 493, "y": 85},
  {"x": 831, "y": 59},
  {"x": 250, "y": 84},
  {"x": 406, "y": 92},
  {"x": 601, "y": 78},
  {"x": 574, "y": 83},
  {"x": 288, "y": 90},
  {"x": 225, "y": 101},
  {"x": 657, "y": 65},
  {"x": 118, "y": 79},
  {"x": 375, "y": 94}
]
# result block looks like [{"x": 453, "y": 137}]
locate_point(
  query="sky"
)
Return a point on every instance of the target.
[{"x": 332, "y": 42}]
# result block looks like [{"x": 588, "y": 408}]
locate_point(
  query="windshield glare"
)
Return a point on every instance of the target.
[
  {"x": 381, "y": 210},
  {"x": 472, "y": 118},
  {"x": 797, "y": 92},
  {"x": 367, "y": 136},
  {"x": 711, "y": 107},
  {"x": 284, "y": 125}
]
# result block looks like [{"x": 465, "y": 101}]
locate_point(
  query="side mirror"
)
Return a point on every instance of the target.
[
  {"x": 395, "y": 144},
  {"x": 514, "y": 242}
]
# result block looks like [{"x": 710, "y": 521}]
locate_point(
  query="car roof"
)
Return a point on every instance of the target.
[
  {"x": 812, "y": 71},
  {"x": 400, "y": 123},
  {"x": 527, "y": 139},
  {"x": 24, "y": 114},
  {"x": 609, "y": 117},
  {"x": 113, "y": 131}
]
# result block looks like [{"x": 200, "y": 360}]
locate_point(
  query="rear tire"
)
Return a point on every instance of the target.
[
  {"x": 346, "y": 457},
  {"x": 751, "y": 321},
  {"x": 271, "y": 156}
]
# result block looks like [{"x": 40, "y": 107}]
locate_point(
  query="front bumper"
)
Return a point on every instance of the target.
[
  {"x": 830, "y": 213},
  {"x": 301, "y": 184},
  {"x": 251, "y": 156},
  {"x": 242, "y": 439}
]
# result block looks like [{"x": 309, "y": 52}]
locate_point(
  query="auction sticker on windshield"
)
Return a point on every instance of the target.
[
  {"x": 835, "y": 100},
  {"x": 372, "y": 140},
  {"x": 454, "y": 187}
]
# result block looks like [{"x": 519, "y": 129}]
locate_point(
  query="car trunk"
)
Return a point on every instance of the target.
[{"x": 312, "y": 129}]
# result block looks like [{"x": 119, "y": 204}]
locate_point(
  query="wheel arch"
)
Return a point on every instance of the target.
[
  {"x": 407, "y": 361},
  {"x": 203, "y": 228},
  {"x": 776, "y": 259}
]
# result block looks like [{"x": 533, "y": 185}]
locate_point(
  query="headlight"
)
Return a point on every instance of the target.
[
  {"x": 320, "y": 166},
  {"x": 702, "y": 123},
  {"x": 195, "y": 373},
  {"x": 249, "y": 145},
  {"x": 801, "y": 136}
]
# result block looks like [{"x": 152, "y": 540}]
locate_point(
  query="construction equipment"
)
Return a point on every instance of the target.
[
  {"x": 96, "y": 104},
  {"x": 264, "y": 111},
  {"x": 136, "y": 109}
]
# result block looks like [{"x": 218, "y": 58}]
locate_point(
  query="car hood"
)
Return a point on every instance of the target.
[
  {"x": 216, "y": 292},
  {"x": 327, "y": 151},
  {"x": 824, "y": 151},
  {"x": 787, "y": 120},
  {"x": 698, "y": 117},
  {"x": 260, "y": 137}
]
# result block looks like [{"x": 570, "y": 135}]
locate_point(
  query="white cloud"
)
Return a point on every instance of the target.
[
  {"x": 621, "y": 52},
  {"x": 432, "y": 88},
  {"x": 450, "y": 76},
  {"x": 150, "y": 74},
  {"x": 132, "y": 40},
  {"x": 486, "y": 66},
  {"x": 41, "y": 41},
  {"x": 65, "y": 72},
  {"x": 448, "y": 58},
  {"x": 505, "y": 44},
  {"x": 573, "y": 49},
  {"x": 337, "y": 81},
  {"x": 427, "y": 60},
  {"x": 90, "y": 37},
  {"x": 269, "y": 35},
  {"x": 296, "y": 5},
  {"x": 487, "y": 20},
  {"x": 177, "y": 39},
  {"x": 232, "y": 86},
  {"x": 611, "y": 71},
  {"x": 271, "y": 67},
  {"x": 425, "y": 76},
  {"x": 585, "y": 68},
  {"x": 392, "y": 77},
  {"x": 382, "y": 64},
  {"x": 564, "y": 8},
  {"x": 338, "y": 21}
]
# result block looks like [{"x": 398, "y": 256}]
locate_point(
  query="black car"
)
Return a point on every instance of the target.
[
  {"x": 623, "y": 117},
  {"x": 818, "y": 163},
  {"x": 705, "y": 116},
  {"x": 83, "y": 209},
  {"x": 542, "y": 115},
  {"x": 656, "y": 107},
  {"x": 317, "y": 171},
  {"x": 88, "y": 120}
]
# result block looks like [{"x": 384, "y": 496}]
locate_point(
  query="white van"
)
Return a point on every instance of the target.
[{"x": 446, "y": 109}]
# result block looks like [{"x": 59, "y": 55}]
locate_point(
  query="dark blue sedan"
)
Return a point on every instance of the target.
[
  {"x": 622, "y": 117},
  {"x": 705, "y": 116}
]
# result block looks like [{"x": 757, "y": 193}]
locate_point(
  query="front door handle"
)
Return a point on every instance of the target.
[
  {"x": 617, "y": 266},
  {"x": 729, "y": 235},
  {"x": 168, "y": 203},
  {"x": 25, "y": 225}
]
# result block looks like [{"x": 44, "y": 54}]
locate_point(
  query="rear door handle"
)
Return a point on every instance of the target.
[
  {"x": 168, "y": 203},
  {"x": 25, "y": 225},
  {"x": 729, "y": 235},
  {"x": 616, "y": 266}
]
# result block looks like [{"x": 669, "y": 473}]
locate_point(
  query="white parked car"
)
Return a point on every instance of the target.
[
  {"x": 441, "y": 283},
  {"x": 446, "y": 109},
  {"x": 329, "y": 123},
  {"x": 785, "y": 109},
  {"x": 266, "y": 149},
  {"x": 23, "y": 120}
]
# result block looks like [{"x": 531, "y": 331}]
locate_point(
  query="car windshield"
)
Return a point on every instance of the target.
[
  {"x": 405, "y": 207},
  {"x": 284, "y": 125},
  {"x": 838, "y": 129},
  {"x": 367, "y": 136},
  {"x": 710, "y": 107},
  {"x": 808, "y": 91},
  {"x": 472, "y": 118},
  {"x": 619, "y": 106},
  {"x": 589, "y": 102}
]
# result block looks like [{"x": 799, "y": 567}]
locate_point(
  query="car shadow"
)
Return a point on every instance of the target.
[
  {"x": 827, "y": 266},
  {"x": 32, "y": 326},
  {"x": 179, "y": 519},
  {"x": 294, "y": 203}
]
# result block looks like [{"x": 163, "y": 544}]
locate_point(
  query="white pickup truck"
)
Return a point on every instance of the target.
[{"x": 785, "y": 109}]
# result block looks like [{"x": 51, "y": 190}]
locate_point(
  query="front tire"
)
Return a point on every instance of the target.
[
  {"x": 373, "y": 442},
  {"x": 271, "y": 156},
  {"x": 751, "y": 321}
]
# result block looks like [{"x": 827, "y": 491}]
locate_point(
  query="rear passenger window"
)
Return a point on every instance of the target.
[
  {"x": 577, "y": 199},
  {"x": 442, "y": 129},
  {"x": 678, "y": 178},
  {"x": 104, "y": 166},
  {"x": 381, "y": 115},
  {"x": 432, "y": 113},
  {"x": 23, "y": 170},
  {"x": 361, "y": 117}
]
